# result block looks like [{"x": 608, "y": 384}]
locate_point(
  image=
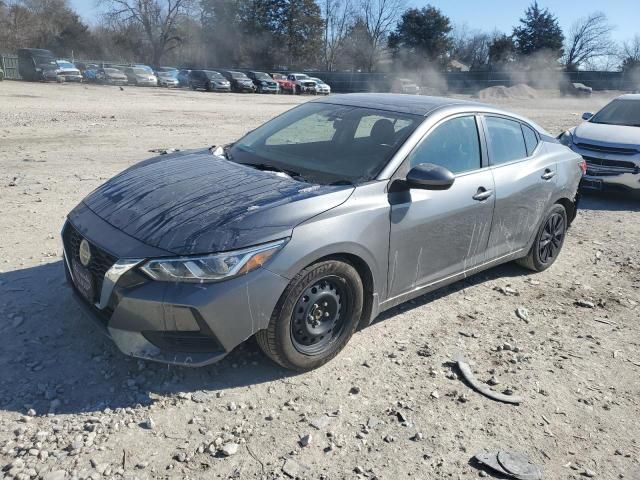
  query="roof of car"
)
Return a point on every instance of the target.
[
  {"x": 629, "y": 96},
  {"x": 414, "y": 104}
]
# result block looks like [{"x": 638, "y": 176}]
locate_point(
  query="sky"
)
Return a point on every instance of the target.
[{"x": 502, "y": 15}]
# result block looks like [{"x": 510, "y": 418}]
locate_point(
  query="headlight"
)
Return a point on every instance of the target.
[
  {"x": 566, "y": 138},
  {"x": 211, "y": 268}
]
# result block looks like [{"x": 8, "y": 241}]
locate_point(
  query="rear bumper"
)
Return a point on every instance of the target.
[{"x": 179, "y": 323}]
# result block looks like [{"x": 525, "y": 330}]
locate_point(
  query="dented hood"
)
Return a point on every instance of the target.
[{"x": 195, "y": 203}]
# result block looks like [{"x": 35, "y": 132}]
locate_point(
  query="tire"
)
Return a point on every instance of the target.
[
  {"x": 548, "y": 241},
  {"x": 332, "y": 284}
]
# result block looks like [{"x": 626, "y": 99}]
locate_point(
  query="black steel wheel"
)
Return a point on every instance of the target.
[
  {"x": 318, "y": 316},
  {"x": 548, "y": 241},
  {"x": 315, "y": 317}
]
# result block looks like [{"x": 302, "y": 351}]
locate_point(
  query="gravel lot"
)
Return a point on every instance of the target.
[{"x": 72, "y": 406}]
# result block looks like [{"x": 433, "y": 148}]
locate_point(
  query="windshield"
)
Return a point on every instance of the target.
[
  {"x": 619, "y": 112},
  {"x": 261, "y": 76},
  {"x": 317, "y": 80},
  {"x": 112, "y": 70},
  {"x": 168, "y": 74},
  {"x": 44, "y": 61},
  {"x": 238, "y": 76},
  {"x": 302, "y": 77},
  {"x": 214, "y": 75},
  {"x": 327, "y": 143},
  {"x": 66, "y": 65},
  {"x": 140, "y": 71}
]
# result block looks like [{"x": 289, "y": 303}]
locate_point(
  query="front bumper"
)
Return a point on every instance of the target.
[
  {"x": 146, "y": 83},
  {"x": 179, "y": 323},
  {"x": 613, "y": 172}
]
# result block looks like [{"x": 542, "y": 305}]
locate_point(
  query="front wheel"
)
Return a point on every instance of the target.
[
  {"x": 315, "y": 317},
  {"x": 549, "y": 240}
]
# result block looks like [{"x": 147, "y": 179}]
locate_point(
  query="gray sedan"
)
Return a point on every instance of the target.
[
  {"x": 609, "y": 141},
  {"x": 311, "y": 225}
]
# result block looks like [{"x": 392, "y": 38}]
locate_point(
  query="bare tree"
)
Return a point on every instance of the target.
[
  {"x": 158, "y": 19},
  {"x": 470, "y": 47},
  {"x": 379, "y": 17},
  {"x": 588, "y": 41},
  {"x": 338, "y": 18},
  {"x": 630, "y": 54}
]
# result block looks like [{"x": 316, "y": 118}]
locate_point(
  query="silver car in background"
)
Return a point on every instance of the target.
[
  {"x": 322, "y": 88},
  {"x": 609, "y": 141},
  {"x": 314, "y": 223}
]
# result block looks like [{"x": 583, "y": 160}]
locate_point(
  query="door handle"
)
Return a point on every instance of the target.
[
  {"x": 548, "y": 174},
  {"x": 482, "y": 194}
]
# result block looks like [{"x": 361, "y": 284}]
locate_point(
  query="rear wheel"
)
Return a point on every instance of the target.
[
  {"x": 315, "y": 317},
  {"x": 548, "y": 242}
]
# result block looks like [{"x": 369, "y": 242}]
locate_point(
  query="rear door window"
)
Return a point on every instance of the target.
[
  {"x": 453, "y": 144},
  {"x": 506, "y": 141}
]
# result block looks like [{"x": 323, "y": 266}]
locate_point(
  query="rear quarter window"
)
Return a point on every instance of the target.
[{"x": 530, "y": 138}]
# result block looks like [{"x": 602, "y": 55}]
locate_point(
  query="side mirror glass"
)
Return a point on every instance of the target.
[
  {"x": 587, "y": 115},
  {"x": 430, "y": 177}
]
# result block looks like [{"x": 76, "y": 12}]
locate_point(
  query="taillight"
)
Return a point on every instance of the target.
[{"x": 583, "y": 166}]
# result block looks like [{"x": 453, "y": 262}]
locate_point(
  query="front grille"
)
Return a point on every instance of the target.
[
  {"x": 101, "y": 261},
  {"x": 616, "y": 164},
  {"x": 604, "y": 149}
]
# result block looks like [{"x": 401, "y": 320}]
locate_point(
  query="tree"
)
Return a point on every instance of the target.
[
  {"x": 470, "y": 47},
  {"x": 50, "y": 24},
  {"x": 338, "y": 18},
  {"x": 539, "y": 33},
  {"x": 422, "y": 35},
  {"x": 157, "y": 18},
  {"x": 378, "y": 18},
  {"x": 630, "y": 55},
  {"x": 589, "y": 40},
  {"x": 502, "y": 50}
]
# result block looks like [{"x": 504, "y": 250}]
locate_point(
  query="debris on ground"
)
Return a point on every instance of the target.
[
  {"x": 510, "y": 464},
  {"x": 465, "y": 370}
]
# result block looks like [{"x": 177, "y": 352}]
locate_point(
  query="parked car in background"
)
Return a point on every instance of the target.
[
  {"x": 321, "y": 87},
  {"x": 286, "y": 85},
  {"x": 35, "y": 64},
  {"x": 302, "y": 83},
  {"x": 181, "y": 258},
  {"x": 263, "y": 82},
  {"x": 168, "y": 79},
  {"x": 575, "y": 89},
  {"x": 183, "y": 77},
  {"x": 166, "y": 69},
  {"x": 141, "y": 76},
  {"x": 68, "y": 71},
  {"x": 405, "y": 86},
  {"x": 609, "y": 141},
  {"x": 239, "y": 81},
  {"x": 111, "y": 76},
  {"x": 1, "y": 74},
  {"x": 89, "y": 71},
  {"x": 208, "y": 80}
]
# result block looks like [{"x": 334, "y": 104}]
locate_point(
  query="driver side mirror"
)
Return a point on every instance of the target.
[
  {"x": 429, "y": 176},
  {"x": 587, "y": 115}
]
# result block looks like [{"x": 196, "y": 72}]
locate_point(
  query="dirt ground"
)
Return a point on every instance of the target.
[{"x": 72, "y": 406}]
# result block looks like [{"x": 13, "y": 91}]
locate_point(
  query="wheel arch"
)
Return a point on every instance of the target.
[{"x": 571, "y": 208}]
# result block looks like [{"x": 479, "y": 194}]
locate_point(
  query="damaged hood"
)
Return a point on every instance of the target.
[
  {"x": 195, "y": 203},
  {"x": 610, "y": 135}
]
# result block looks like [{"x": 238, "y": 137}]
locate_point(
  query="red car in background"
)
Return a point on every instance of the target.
[{"x": 286, "y": 86}]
